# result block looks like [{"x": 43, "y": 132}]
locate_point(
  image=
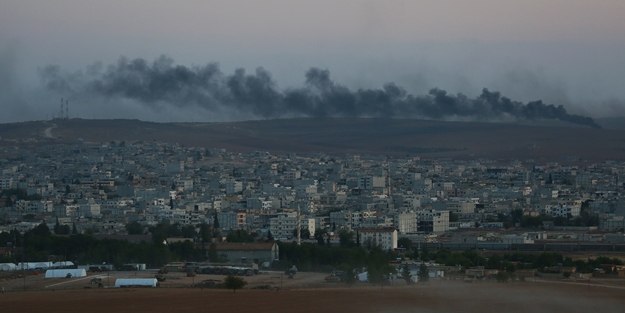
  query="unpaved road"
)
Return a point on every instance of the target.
[{"x": 48, "y": 131}]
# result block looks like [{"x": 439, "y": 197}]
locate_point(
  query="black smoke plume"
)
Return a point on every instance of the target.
[{"x": 164, "y": 82}]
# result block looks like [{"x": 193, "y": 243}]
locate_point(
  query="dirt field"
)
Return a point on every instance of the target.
[
  {"x": 173, "y": 280},
  {"x": 446, "y": 296}
]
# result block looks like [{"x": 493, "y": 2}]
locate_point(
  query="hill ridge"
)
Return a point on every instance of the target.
[{"x": 382, "y": 136}]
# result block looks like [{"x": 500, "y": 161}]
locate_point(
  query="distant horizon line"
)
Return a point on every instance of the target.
[{"x": 536, "y": 122}]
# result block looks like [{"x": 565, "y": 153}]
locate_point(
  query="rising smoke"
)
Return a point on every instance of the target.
[{"x": 164, "y": 83}]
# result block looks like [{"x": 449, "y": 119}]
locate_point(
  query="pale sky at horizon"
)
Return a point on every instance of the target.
[{"x": 568, "y": 52}]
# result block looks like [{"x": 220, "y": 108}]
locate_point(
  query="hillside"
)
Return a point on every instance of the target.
[{"x": 396, "y": 137}]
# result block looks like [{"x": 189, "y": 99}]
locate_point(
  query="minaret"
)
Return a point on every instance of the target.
[
  {"x": 299, "y": 226},
  {"x": 388, "y": 179}
]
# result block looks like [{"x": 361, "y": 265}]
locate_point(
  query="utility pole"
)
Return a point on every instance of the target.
[{"x": 23, "y": 260}]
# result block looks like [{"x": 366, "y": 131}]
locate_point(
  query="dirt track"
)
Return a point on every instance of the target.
[{"x": 432, "y": 297}]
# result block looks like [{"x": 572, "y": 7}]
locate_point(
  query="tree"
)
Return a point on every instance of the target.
[
  {"x": 29, "y": 217},
  {"x": 56, "y": 226},
  {"x": 517, "y": 216},
  {"x": 212, "y": 253},
  {"x": 415, "y": 254},
  {"x": 346, "y": 238},
  {"x": 377, "y": 266},
  {"x": 425, "y": 253},
  {"x": 423, "y": 273},
  {"x": 206, "y": 233},
  {"x": 240, "y": 235},
  {"x": 234, "y": 283},
  {"x": 134, "y": 228},
  {"x": 61, "y": 229},
  {"x": 405, "y": 243},
  {"x": 405, "y": 274},
  {"x": 304, "y": 232},
  {"x": 42, "y": 230},
  {"x": 216, "y": 222},
  {"x": 319, "y": 234},
  {"x": 188, "y": 231},
  {"x": 453, "y": 217},
  {"x": 350, "y": 276}
]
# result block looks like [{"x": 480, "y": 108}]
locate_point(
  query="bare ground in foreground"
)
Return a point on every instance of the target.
[{"x": 448, "y": 296}]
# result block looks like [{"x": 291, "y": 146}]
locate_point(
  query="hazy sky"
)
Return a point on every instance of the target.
[{"x": 569, "y": 52}]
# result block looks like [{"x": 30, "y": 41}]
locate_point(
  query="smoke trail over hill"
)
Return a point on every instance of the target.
[{"x": 164, "y": 82}]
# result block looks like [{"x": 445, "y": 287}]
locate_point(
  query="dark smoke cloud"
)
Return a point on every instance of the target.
[{"x": 164, "y": 82}]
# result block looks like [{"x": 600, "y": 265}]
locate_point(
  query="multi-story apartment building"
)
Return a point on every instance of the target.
[
  {"x": 233, "y": 187},
  {"x": 384, "y": 237},
  {"x": 232, "y": 219},
  {"x": 6, "y": 183},
  {"x": 405, "y": 222},
  {"x": 283, "y": 226},
  {"x": 432, "y": 221}
]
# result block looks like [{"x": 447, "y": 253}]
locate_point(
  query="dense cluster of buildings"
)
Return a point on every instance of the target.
[{"x": 100, "y": 188}]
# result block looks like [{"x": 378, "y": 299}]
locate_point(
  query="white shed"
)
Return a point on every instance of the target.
[
  {"x": 42, "y": 265},
  {"x": 363, "y": 276},
  {"x": 63, "y": 264},
  {"x": 7, "y": 267},
  {"x": 135, "y": 282},
  {"x": 64, "y": 272},
  {"x": 26, "y": 265}
]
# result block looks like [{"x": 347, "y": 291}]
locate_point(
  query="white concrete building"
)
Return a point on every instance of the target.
[
  {"x": 565, "y": 211},
  {"x": 432, "y": 221},
  {"x": 516, "y": 239},
  {"x": 89, "y": 210},
  {"x": 384, "y": 237},
  {"x": 370, "y": 182},
  {"x": 186, "y": 184},
  {"x": 231, "y": 219},
  {"x": 405, "y": 222},
  {"x": 292, "y": 175},
  {"x": 233, "y": 187},
  {"x": 283, "y": 226},
  {"x": 6, "y": 183}
]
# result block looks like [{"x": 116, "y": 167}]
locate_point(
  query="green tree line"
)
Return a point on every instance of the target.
[{"x": 39, "y": 244}]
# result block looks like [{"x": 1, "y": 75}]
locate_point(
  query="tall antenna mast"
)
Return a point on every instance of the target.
[
  {"x": 61, "y": 112},
  {"x": 67, "y": 109}
]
